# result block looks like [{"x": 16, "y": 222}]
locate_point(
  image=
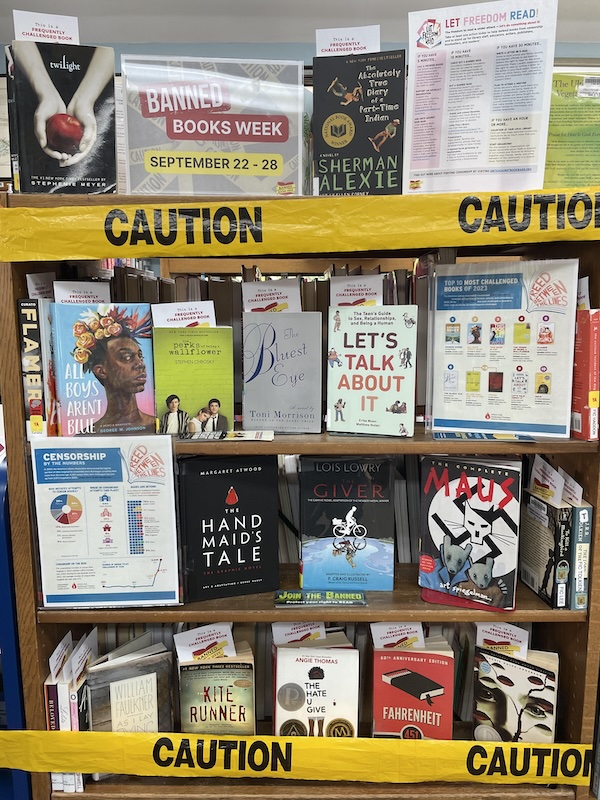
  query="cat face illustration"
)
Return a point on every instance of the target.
[{"x": 476, "y": 523}]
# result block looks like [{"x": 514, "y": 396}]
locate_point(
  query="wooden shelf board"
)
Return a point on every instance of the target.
[
  {"x": 124, "y": 788},
  {"x": 334, "y": 445},
  {"x": 403, "y": 604}
]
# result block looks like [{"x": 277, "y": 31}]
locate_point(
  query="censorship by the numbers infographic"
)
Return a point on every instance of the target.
[
  {"x": 213, "y": 126},
  {"x": 502, "y": 347},
  {"x": 106, "y": 521}
]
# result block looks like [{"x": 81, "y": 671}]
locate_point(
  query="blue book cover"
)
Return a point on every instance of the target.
[
  {"x": 347, "y": 523},
  {"x": 103, "y": 367}
]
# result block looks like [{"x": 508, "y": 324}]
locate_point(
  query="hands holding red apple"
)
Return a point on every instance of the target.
[{"x": 64, "y": 133}]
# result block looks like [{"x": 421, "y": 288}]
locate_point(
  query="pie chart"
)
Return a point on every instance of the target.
[{"x": 66, "y": 509}]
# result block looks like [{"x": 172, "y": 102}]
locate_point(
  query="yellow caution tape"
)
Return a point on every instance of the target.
[
  {"x": 260, "y": 226},
  {"x": 370, "y": 760}
]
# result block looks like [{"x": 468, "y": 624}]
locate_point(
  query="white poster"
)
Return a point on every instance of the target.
[
  {"x": 345, "y": 41},
  {"x": 478, "y": 101},
  {"x": 273, "y": 295},
  {"x": 502, "y": 348},
  {"x": 106, "y": 521}
]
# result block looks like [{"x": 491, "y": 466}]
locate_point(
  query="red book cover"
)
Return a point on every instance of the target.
[
  {"x": 585, "y": 411},
  {"x": 413, "y": 692}
]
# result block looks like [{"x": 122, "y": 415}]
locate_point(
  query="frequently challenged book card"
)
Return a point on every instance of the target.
[
  {"x": 546, "y": 482},
  {"x": 366, "y": 290},
  {"x": 279, "y": 295},
  {"x": 503, "y": 637},
  {"x": 208, "y": 641},
  {"x": 192, "y": 314},
  {"x": 82, "y": 292},
  {"x": 106, "y": 521},
  {"x": 288, "y": 632},
  {"x": 397, "y": 635}
]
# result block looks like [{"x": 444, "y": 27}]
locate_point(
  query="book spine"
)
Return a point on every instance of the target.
[
  {"x": 32, "y": 367},
  {"x": 51, "y": 701},
  {"x": 64, "y": 709},
  {"x": 75, "y": 726},
  {"x": 581, "y": 537},
  {"x": 562, "y": 558}
]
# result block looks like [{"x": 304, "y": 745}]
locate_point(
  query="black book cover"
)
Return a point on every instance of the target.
[
  {"x": 358, "y": 123},
  {"x": 65, "y": 107},
  {"x": 229, "y": 526},
  {"x": 347, "y": 523},
  {"x": 415, "y": 684}
]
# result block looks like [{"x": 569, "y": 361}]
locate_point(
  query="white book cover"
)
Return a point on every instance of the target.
[
  {"x": 279, "y": 295},
  {"x": 282, "y": 355},
  {"x": 316, "y": 692},
  {"x": 362, "y": 290},
  {"x": 192, "y": 314},
  {"x": 105, "y": 509},
  {"x": 205, "y": 126},
  {"x": 502, "y": 347},
  {"x": 371, "y": 370}
]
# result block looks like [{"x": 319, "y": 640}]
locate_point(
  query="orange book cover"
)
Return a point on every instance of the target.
[{"x": 585, "y": 411}]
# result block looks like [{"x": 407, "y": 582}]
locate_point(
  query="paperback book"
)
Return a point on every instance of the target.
[
  {"x": 515, "y": 700},
  {"x": 69, "y": 149},
  {"x": 585, "y": 400},
  {"x": 469, "y": 525},
  {"x": 316, "y": 691},
  {"x": 39, "y": 388},
  {"x": 347, "y": 523},
  {"x": 216, "y": 695},
  {"x": 193, "y": 366},
  {"x": 229, "y": 526},
  {"x": 371, "y": 370},
  {"x": 358, "y": 123},
  {"x": 199, "y": 126},
  {"x": 551, "y": 558},
  {"x": 103, "y": 366},
  {"x": 413, "y": 692},
  {"x": 282, "y": 356}
]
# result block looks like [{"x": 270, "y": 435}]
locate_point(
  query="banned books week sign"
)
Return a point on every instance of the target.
[
  {"x": 258, "y": 226},
  {"x": 300, "y": 758}
]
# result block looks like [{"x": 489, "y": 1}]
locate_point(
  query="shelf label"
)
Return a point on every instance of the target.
[{"x": 299, "y": 758}]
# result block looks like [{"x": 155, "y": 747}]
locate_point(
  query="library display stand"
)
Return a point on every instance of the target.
[{"x": 575, "y": 635}]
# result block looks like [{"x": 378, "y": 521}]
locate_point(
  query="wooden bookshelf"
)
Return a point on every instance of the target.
[{"x": 575, "y": 635}]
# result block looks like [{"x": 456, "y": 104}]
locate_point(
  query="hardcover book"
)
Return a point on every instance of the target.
[
  {"x": 216, "y": 695},
  {"x": 316, "y": 691},
  {"x": 547, "y": 549},
  {"x": 413, "y": 692},
  {"x": 229, "y": 526},
  {"x": 469, "y": 531},
  {"x": 103, "y": 367},
  {"x": 347, "y": 523},
  {"x": 65, "y": 107},
  {"x": 282, "y": 372},
  {"x": 212, "y": 126},
  {"x": 515, "y": 700},
  {"x": 585, "y": 401},
  {"x": 371, "y": 370},
  {"x": 358, "y": 123},
  {"x": 194, "y": 366}
]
